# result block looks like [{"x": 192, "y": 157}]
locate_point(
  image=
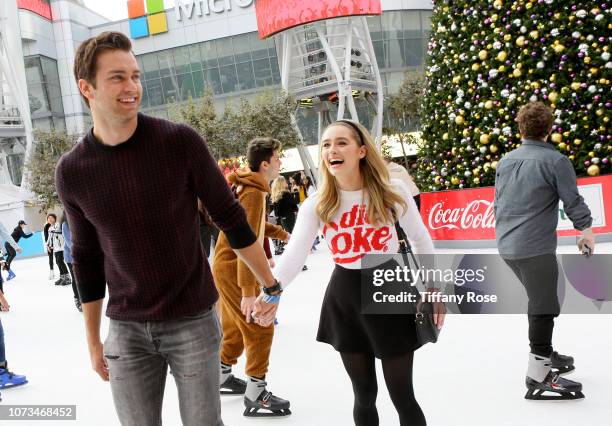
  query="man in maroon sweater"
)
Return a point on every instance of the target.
[{"x": 130, "y": 190}]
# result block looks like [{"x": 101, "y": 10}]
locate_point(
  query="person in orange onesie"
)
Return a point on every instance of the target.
[{"x": 238, "y": 287}]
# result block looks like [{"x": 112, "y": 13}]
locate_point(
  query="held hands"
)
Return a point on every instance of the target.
[
  {"x": 98, "y": 363},
  {"x": 264, "y": 312},
  {"x": 246, "y": 306}
]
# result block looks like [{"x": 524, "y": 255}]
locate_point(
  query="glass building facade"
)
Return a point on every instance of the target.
[
  {"x": 44, "y": 93},
  {"x": 239, "y": 65}
]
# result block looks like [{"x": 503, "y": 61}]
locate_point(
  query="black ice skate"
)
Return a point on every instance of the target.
[
  {"x": 554, "y": 387},
  {"x": 274, "y": 406},
  {"x": 233, "y": 386},
  {"x": 562, "y": 364}
]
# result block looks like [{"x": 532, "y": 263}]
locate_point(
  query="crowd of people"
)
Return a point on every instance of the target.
[{"x": 164, "y": 304}]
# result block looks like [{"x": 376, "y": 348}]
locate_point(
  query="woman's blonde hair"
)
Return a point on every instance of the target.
[
  {"x": 383, "y": 199},
  {"x": 279, "y": 185}
]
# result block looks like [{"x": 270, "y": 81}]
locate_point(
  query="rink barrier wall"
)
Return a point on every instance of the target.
[{"x": 465, "y": 218}]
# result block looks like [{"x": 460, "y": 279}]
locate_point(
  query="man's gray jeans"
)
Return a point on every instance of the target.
[{"x": 138, "y": 355}]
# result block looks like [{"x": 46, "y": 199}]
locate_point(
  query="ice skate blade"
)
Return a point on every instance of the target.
[
  {"x": 13, "y": 385},
  {"x": 538, "y": 395},
  {"x": 254, "y": 412},
  {"x": 229, "y": 392},
  {"x": 564, "y": 371}
]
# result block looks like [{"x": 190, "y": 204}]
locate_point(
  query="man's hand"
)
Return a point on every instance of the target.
[
  {"x": 271, "y": 262},
  {"x": 265, "y": 312},
  {"x": 246, "y": 306},
  {"x": 288, "y": 237},
  {"x": 587, "y": 238},
  {"x": 98, "y": 363},
  {"x": 439, "y": 310},
  {"x": 19, "y": 250}
]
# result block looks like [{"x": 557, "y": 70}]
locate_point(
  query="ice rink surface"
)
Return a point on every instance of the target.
[{"x": 474, "y": 375}]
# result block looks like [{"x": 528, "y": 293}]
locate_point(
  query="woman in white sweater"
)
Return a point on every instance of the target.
[{"x": 355, "y": 209}]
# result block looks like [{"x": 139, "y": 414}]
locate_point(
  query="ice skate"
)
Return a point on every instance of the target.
[
  {"x": 543, "y": 384},
  {"x": 553, "y": 388},
  {"x": 11, "y": 275},
  {"x": 77, "y": 303},
  {"x": 562, "y": 364},
  {"x": 271, "y": 405},
  {"x": 230, "y": 385},
  {"x": 51, "y": 275},
  {"x": 10, "y": 380}
]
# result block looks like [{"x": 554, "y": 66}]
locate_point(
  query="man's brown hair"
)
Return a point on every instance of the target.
[
  {"x": 535, "y": 120},
  {"x": 86, "y": 56},
  {"x": 260, "y": 150}
]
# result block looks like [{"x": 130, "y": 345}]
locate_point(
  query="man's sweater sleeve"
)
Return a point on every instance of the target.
[
  {"x": 212, "y": 189},
  {"x": 5, "y": 236},
  {"x": 573, "y": 203},
  {"x": 87, "y": 255},
  {"x": 276, "y": 232}
]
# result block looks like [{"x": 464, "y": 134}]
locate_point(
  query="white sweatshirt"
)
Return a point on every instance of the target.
[{"x": 349, "y": 235}]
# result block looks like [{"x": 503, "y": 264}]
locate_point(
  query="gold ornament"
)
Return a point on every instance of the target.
[
  {"x": 517, "y": 72},
  {"x": 494, "y": 165},
  {"x": 593, "y": 170},
  {"x": 488, "y": 104},
  {"x": 575, "y": 86},
  {"x": 493, "y": 148},
  {"x": 507, "y": 37},
  {"x": 475, "y": 67},
  {"x": 501, "y": 56},
  {"x": 594, "y": 71},
  {"x": 501, "y": 68},
  {"x": 520, "y": 41},
  {"x": 591, "y": 154},
  {"x": 587, "y": 59},
  {"x": 484, "y": 139},
  {"x": 562, "y": 145},
  {"x": 456, "y": 79},
  {"x": 559, "y": 48},
  {"x": 577, "y": 141},
  {"x": 476, "y": 181},
  {"x": 482, "y": 55},
  {"x": 556, "y": 137},
  {"x": 455, "y": 180},
  {"x": 497, "y": 4},
  {"x": 533, "y": 34},
  {"x": 459, "y": 120},
  {"x": 445, "y": 136},
  {"x": 553, "y": 96}
]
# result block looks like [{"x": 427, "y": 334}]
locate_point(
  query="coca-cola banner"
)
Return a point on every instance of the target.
[
  {"x": 40, "y": 7},
  {"x": 468, "y": 214},
  {"x": 274, "y": 15}
]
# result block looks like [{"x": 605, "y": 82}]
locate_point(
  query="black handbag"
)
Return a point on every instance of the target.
[{"x": 426, "y": 330}]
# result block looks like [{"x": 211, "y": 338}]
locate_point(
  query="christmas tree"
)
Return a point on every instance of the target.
[{"x": 488, "y": 58}]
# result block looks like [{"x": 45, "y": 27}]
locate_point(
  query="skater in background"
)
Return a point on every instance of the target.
[
  {"x": 160, "y": 289},
  {"x": 397, "y": 171},
  {"x": 309, "y": 187},
  {"x": 529, "y": 183},
  {"x": 6, "y": 239},
  {"x": 18, "y": 233},
  {"x": 239, "y": 289},
  {"x": 7, "y": 378},
  {"x": 56, "y": 242},
  {"x": 284, "y": 206},
  {"x": 68, "y": 259},
  {"x": 354, "y": 179},
  {"x": 51, "y": 219},
  {"x": 298, "y": 188}
]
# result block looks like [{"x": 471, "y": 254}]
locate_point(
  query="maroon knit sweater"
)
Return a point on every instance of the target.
[{"x": 132, "y": 210}]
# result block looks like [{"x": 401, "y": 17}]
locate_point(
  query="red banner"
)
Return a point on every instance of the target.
[
  {"x": 468, "y": 214},
  {"x": 40, "y": 7},
  {"x": 274, "y": 15}
]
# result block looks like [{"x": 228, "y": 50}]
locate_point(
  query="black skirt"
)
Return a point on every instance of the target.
[{"x": 343, "y": 326}]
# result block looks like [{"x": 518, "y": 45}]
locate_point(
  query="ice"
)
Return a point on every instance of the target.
[{"x": 473, "y": 376}]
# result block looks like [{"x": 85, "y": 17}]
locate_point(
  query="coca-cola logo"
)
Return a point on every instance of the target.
[
  {"x": 354, "y": 236},
  {"x": 477, "y": 214}
]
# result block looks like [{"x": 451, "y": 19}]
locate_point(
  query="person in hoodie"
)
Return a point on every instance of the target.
[
  {"x": 238, "y": 287},
  {"x": 57, "y": 243},
  {"x": 18, "y": 233}
]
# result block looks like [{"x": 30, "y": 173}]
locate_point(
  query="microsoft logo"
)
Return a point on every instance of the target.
[{"x": 143, "y": 24}]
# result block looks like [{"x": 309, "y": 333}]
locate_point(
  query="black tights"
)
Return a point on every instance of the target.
[{"x": 398, "y": 377}]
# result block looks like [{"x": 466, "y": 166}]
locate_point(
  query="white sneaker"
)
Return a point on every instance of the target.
[{"x": 51, "y": 275}]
